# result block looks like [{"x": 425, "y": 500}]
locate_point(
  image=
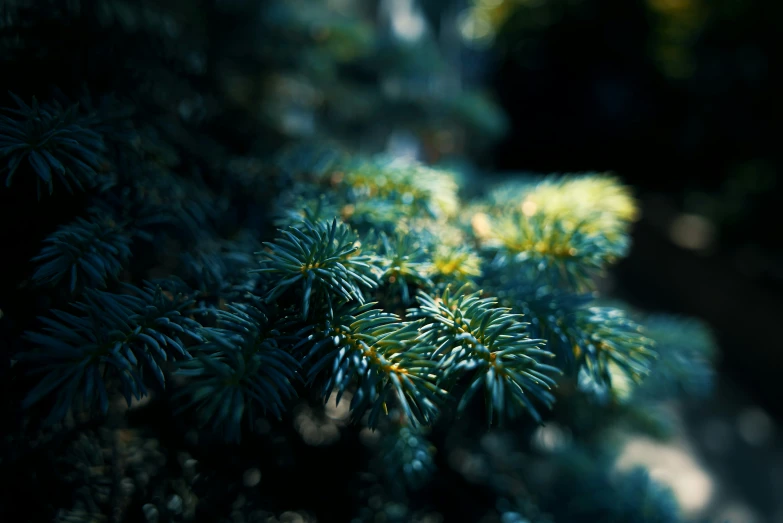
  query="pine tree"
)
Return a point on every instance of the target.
[{"x": 229, "y": 301}]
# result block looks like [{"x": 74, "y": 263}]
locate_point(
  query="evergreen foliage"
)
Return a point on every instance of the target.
[
  {"x": 232, "y": 267},
  {"x": 54, "y": 143}
]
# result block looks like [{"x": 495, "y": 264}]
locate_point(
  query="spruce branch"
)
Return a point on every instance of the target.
[
  {"x": 318, "y": 258},
  {"x": 611, "y": 343},
  {"x": 474, "y": 335},
  {"x": 220, "y": 270},
  {"x": 455, "y": 264},
  {"x": 375, "y": 351},
  {"x": 368, "y": 214},
  {"x": 605, "y": 206},
  {"x": 415, "y": 188},
  {"x": 566, "y": 230},
  {"x": 564, "y": 255},
  {"x": 241, "y": 369},
  {"x": 404, "y": 261},
  {"x": 601, "y": 341},
  {"x": 110, "y": 336},
  {"x": 88, "y": 253},
  {"x": 686, "y": 353},
  {"x": 553, "y": 314},
  {"x": 55, "y": 144},
  {"x": 294, "y": 208}
]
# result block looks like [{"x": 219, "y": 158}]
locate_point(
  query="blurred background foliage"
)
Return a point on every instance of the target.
[{"x": 680, "y": 97}]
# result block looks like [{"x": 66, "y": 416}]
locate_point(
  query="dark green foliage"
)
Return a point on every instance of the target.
[
  {"x": 54, "y": 143},
  {"x": 295, "y": 208},
  {"x": 550, "y": 312},
  {"x": 151, "y": 199},
  {"x": 318, "y": 258},
  {"x": 86, "y": 253},
  {"x": 83, "y": 466},
  {"x": 548, "y": 249},
  {"x": 687, "y": 352},
  {"x": 597, "y": 493},
  {"x": 380, "y": 354},
  {"x": 109, "y": 337},
  {"x": 404, "y": 261},
  {"x": 471, "y": 335},
  {"x": 220, "y": 271},
  {"x": 581, "y": 334},
  {"x": 406, "y": 453},
  {"x": 609, "y": 338},
  {"x": 240, "y": 371}
]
